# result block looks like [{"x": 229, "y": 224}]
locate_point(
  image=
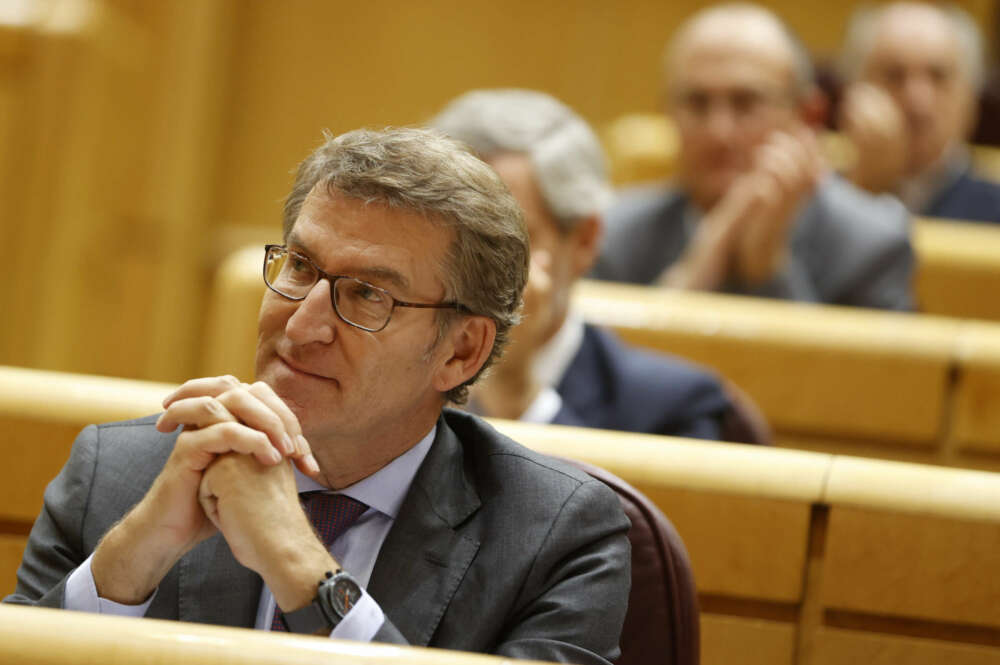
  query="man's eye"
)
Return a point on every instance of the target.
[
  {"x": 363, "y": 291},
  {"x": 299, "y": 265},
  {"x": 696, "y": 102},
  {"x": 745, "y": 102}
]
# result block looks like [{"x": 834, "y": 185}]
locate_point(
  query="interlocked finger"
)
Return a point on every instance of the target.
[
  {"x": 201, "y": 446},
  {"x": 255, "y": 413},
  {"x": 211, "y": 386}
]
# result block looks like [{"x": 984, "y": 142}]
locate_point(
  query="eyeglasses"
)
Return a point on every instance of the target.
[
  {"x": 744, "y": 105},
  {"x": 357, "y": 303}
]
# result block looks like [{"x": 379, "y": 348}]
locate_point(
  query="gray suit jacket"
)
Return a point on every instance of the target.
[
  {"x": 847, "y": 247},
  {"x": 496, "y": 548}
]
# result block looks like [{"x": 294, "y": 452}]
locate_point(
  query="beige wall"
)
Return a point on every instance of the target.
[{"x": 303, "y": 65}]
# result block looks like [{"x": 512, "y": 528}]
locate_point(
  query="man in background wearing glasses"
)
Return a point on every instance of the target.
[
  {"x": 755, "y": 211},
  {"x": 400, "y": 277}
]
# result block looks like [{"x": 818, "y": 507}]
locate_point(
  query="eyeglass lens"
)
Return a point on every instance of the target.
[{"x": 356, "y": 302}]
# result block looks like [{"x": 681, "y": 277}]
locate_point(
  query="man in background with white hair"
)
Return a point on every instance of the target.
[
  {"x": 915, "y": 71},
  {"x": 754, "y": 210},
  {"x": 558, "y": 369}
]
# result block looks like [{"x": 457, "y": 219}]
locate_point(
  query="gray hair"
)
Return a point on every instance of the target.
[
  {"x": 860, "y": 40},
  {"x": 566, "y": 155},
  {"x": 422, "y": 171},
  {"x": 803, "y": 73}
]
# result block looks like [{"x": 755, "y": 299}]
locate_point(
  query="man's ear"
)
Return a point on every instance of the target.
[
  {"x": 585, "y": 242},
  {"x": 468, "y": 344}
]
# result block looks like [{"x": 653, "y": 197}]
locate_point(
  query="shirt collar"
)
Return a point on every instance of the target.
[
  {"x": 385, "y": 489},
  {"x": 556, "y": 355}
]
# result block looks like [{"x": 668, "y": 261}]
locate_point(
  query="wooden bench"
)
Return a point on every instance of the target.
[
  {"x": 958, "y": 271},
  {"x": 909, "y": 561},
  {"x": 832, "y": 379},
  {"x": 744, "y": 515},
  {"x": 814, "y": 558},
  {"x": 44, "y": 636},
  {"x": 800, "y": 557},
  {"x": 828, "y": 378},
  {"x": 975, "y": 414},
  {"x": 40, "y": 415}
]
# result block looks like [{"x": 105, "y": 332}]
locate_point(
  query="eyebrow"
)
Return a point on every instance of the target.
[{"x": 369, "y": 274}]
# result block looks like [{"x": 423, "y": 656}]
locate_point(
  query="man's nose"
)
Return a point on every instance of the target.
[
  {"x": 919, "y": 95},
  {"x": 314, "y": 319},
  {"x": 720, "y": 122}
]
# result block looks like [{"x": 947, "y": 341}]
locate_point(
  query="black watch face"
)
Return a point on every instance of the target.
[{"x": 344, "y": 594}]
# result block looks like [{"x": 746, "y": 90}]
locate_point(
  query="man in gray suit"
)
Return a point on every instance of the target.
[
  {"x": 915, "y": 71},
  {"x": 400, "y": 277},
  {"x": 755, "y": 211}
]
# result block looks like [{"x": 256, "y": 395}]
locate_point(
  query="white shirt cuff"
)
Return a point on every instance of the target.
[
  {"x": 361, "y": 622},
  {"x": 81, "y": 595}
]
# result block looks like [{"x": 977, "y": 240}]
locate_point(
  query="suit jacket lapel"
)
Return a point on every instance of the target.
[
  {"x": 585, "y": 387},
  {"x": 213, "y": 587},
  {"x": 424, "y": 558}
]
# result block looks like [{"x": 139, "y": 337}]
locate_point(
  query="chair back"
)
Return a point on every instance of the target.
[{"x": 661, "y": 625}]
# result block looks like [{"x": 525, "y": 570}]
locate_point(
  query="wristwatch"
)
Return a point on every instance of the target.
[{"x": 337, "y": 594}]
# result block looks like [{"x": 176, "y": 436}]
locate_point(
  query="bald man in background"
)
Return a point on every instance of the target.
[
  {"x": 915, "y": 72},
  {"x": 754, "y": 209},
  {"x": 560, "y": 369}
]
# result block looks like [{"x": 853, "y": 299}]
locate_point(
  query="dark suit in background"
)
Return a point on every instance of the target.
[
  {"x": 967, "y": 198},
  {"x": 612, "y": 386},
  {"x": 847, "y": 247},
  {"x": 482, "y": 511}
]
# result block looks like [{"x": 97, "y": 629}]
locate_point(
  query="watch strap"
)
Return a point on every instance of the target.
[
  {"x": 309, "y": 620},
  {"x": 320, "y": 616}
]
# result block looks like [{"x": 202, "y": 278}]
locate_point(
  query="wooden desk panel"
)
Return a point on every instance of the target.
[
  {"x": 834, "y": 646},
  {"x": 958, "y": 270},
  {"x": 976, "y": 416},
  {"x": 727, "y": 640},
  {"x": 743, "y": 511},
  {"x": 831, "y": 371},
  {"x": 913, "y": 566}
]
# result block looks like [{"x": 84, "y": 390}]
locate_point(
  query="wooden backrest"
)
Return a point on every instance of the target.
[
  {"x": 909, "y": 565},
  {"x": 958, "y": 271},
  {"x": 816, "y": 371},
  {"x": 806, "y": 558},
  {"x": 40, "y": 415},
  {"x": 975, "y": 428},
  {"x": 744, "y": 515}
]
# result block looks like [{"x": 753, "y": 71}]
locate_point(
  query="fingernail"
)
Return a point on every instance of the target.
[
  {"x": 303, "y": 444},
  {"x": 311, "y": 464},
  {"x": 287, "y": 444}
]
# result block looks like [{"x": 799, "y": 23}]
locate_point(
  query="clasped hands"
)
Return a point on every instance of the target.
[
  {"x": 228, "y": 472},
  {"x": 744, "y": 237}
]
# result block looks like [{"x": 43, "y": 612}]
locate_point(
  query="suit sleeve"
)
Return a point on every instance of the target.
[
  {"x": 574, "y": 600},
  {"x": 576, "y": 594},
  {"x": 866, "y": 243},
  {"x": 55, "y": 547}
]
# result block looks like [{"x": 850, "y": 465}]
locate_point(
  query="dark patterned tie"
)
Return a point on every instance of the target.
[{"x": 331, "y": 515}]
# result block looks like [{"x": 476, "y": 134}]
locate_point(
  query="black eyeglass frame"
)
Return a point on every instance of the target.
[{"x": 333, "y": 279}]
